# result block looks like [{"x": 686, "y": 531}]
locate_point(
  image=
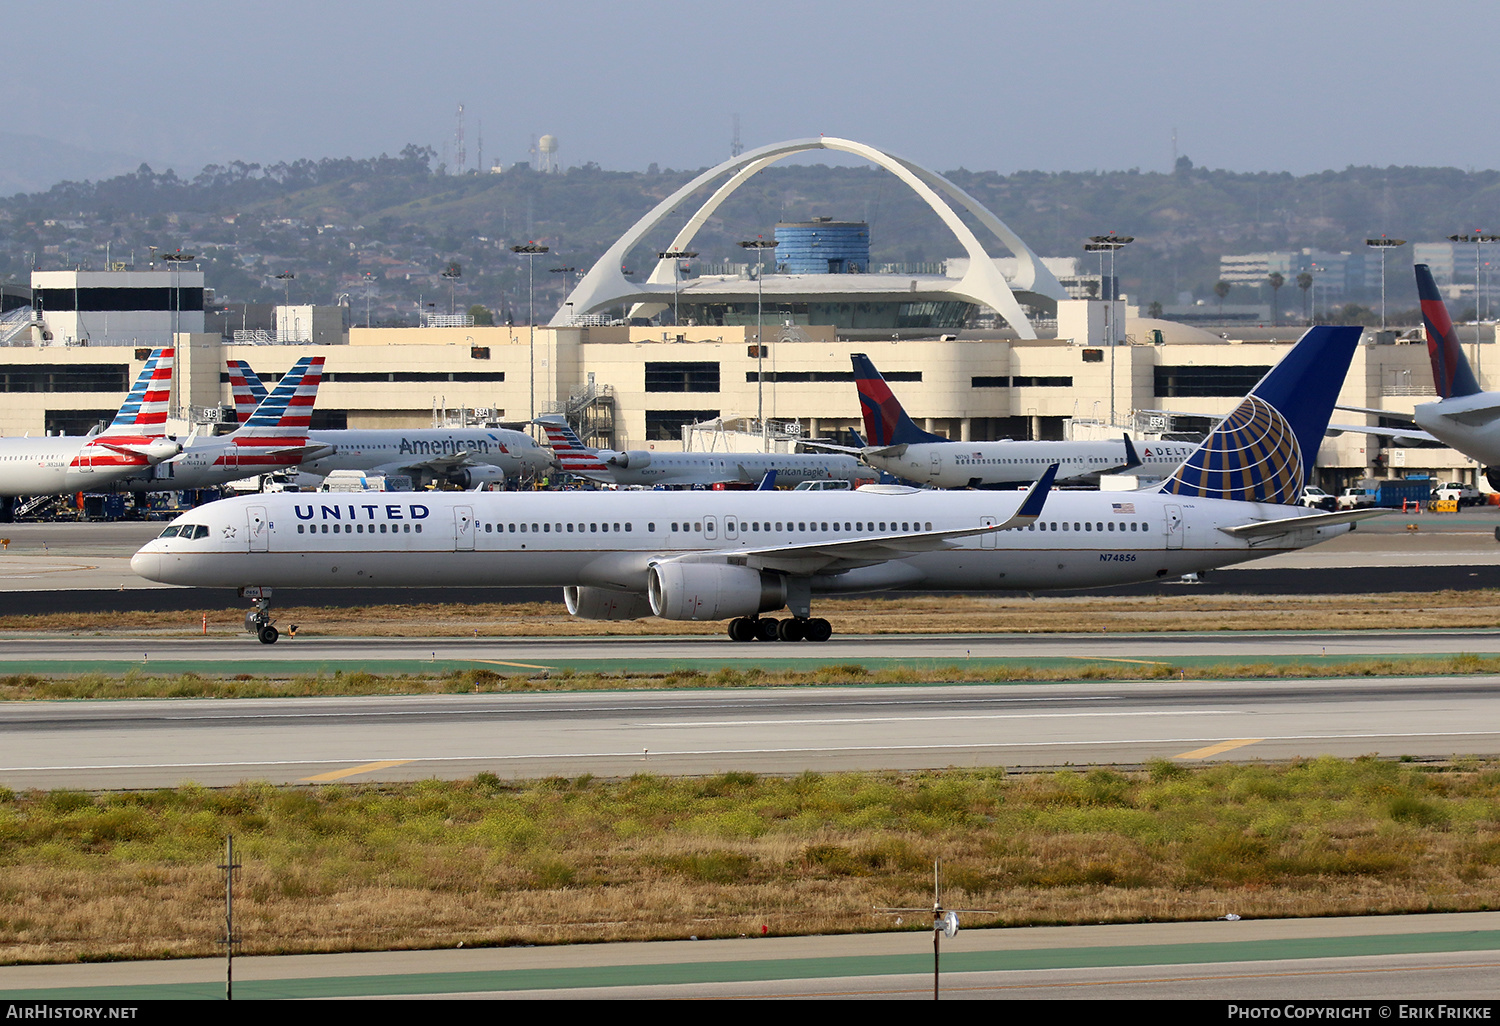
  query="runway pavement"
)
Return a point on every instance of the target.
[
  {"x": 1374, "y": 962},
  {"x": 160, "y": 743}
]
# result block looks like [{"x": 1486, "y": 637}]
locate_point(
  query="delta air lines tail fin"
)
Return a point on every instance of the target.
[
  {"x": 1450, "y": 370},
  {"x": 1264, "y": 450},
  {"x": 886, "y": 422}
]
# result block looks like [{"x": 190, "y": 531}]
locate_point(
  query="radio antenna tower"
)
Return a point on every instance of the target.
[
  {"x": 735, "y": 149},
  {"x": 479, "y": 158},
  {"x": 460, "y": 153}
]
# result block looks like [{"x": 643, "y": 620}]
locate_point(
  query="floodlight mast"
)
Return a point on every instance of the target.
[
  {"x": 530, "y": 251},
  {"x": 1385, "y": 245},
  {"x": 760, "y": 245},
  {"x": 1479, "y": 238},
  {"x": 675, "y": 255},
  {"x": 1100, "y": 244}
]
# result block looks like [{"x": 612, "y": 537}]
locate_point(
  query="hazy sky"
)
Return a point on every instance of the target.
[{"x": 1052, "y": 85}]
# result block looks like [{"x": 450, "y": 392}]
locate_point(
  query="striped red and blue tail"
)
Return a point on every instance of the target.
[
  {"x": 144, "y": 412},
  {"x": 246, "y": 388},
  {"x": 886, "y": 422},
  {"x": 1264, "y": 450},
  {"x": 289, "y": 405},
  {"x": 1450, "y": 370},
  {"x": 572, "y": 455}
]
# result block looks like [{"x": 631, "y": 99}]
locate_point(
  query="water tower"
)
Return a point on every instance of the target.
[{"x": 548, "y": 146}]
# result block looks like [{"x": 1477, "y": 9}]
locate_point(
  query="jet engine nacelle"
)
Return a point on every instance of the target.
[
  {"x": 1492, "y": 475},
  {"x": 603, "y": 604},
  {"x": 636, "y": 458},
  {"x": 712, "y": 591},
  {"x": 473, "y": 477}
]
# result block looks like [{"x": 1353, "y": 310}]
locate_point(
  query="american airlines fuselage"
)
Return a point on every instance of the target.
[
  {"x": 990, "y": 464},
  {"x": 610, "y": 541},
  {"x": 365, "y": 449},
  {"x": 72, "y": 463}
]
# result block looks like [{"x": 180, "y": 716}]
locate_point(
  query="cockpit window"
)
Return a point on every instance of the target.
[
  {"x": 170, "y": 532},
  {"x": 199, "y": 531},
  {"x": 185, "y": 531}
]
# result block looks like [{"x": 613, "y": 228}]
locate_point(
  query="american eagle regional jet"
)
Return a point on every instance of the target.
[{"x": 739, "y": 555}]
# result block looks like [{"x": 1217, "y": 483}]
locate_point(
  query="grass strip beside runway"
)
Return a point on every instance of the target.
[{"x": 253, "y": 678}]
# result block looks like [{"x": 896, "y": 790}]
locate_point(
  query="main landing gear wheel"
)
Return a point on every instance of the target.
[{"x": 746, "y": 628}]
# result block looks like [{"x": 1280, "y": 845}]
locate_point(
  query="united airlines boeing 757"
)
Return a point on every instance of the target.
[{"x": 738, "y": 555}]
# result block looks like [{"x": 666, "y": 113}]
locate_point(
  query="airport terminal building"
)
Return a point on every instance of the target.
[{"x": 633, "y": 363}]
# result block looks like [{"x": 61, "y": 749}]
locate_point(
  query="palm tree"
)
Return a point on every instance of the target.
[
  {"x": 1275, "y": 280},
  {"x": 1221, "y": 289},
  {"x": 1304, "y": 282},
  {"x": 1154, "y": 310}
]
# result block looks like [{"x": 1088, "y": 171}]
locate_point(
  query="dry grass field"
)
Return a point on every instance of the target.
[{"x": 486, "y": 862}]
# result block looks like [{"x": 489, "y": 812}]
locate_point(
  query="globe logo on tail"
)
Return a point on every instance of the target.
[{"x": 1252, "y": 456}]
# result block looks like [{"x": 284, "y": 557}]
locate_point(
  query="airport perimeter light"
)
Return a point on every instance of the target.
[
  {"x": 452, "y": 273},
  {"x": 760, "y": 245},
  {"x": 1385, "y": 245},
  {"x": 530, "y": 251},
  {"x": 675, "y": 255},
  {"x": 1479, "y": 238}
]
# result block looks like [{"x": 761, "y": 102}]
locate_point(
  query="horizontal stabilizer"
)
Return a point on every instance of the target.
[{"x": 1286, "y": 525}]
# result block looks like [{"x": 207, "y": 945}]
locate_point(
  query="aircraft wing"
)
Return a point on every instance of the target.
[
  {"x": 1394, "y": 415},
  {"x": 438, "y": 464},
  {"x": 1262, "y": 529},
  {"x": 818, "y": 557},
  {"x": 1397, "y": 435},
  {"x": 847, "y": 449}
]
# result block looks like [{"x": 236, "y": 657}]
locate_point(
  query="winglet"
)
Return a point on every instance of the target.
[
  {"x": 1450, "y": 370},
  {"x": 1036, "y": 496},
  {"x": 1132, "y": 458},
  {"x": 768, "y": 483}
]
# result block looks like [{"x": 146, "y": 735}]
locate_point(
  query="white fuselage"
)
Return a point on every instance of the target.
[
  {"x": 988, "y": 464},
  {"x": 609, "y": 540},
  {"x": 708, "y": 468},
  {"x": 210, "y": 462},
  {"x": 405, "y": 451},
  {"x": 55, "y": 464},
  {"x": 1469, "y": 423}
]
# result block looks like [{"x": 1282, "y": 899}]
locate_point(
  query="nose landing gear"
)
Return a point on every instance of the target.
[{"x": 258, "y": 620}]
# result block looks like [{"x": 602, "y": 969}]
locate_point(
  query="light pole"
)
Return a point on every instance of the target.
[
  {"x": 369, "y": 281},
  {"x": 675, "y": 255},
  {"x": 1100, "y": 244},
  {"x": 1385, "y": 245},
  {"x": 285, "y": 277},
  {"x": 452, "y": 273},
  {"x": 530, "y": 251},
  {"x": 1479, "y": 238},
  {"x": 760, "y": 245},
  {"x": 565, "y": 271}
]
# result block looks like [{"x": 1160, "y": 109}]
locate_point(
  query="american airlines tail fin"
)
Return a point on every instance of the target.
[
  {"x": 572, "y": 455},
  {"x": 1450, "y": 370},
  {"x": 1264, "y": 450},
  {"x": 289, "y": 405},
  {"x": 144, "y": 411},
  {"x": 246, "y": 387},
  {"x": 886, "y": 423}
]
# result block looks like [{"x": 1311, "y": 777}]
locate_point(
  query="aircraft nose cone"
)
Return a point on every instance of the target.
[{"x": 147, "y": 564}]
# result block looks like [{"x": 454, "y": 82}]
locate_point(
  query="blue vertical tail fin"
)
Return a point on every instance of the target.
[{"x": 1264, "y": 450}]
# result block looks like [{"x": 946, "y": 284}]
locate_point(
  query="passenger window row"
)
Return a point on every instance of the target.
[
  {"x": 1055, "y": 525},
  {"x": 360, "y": 528}
]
